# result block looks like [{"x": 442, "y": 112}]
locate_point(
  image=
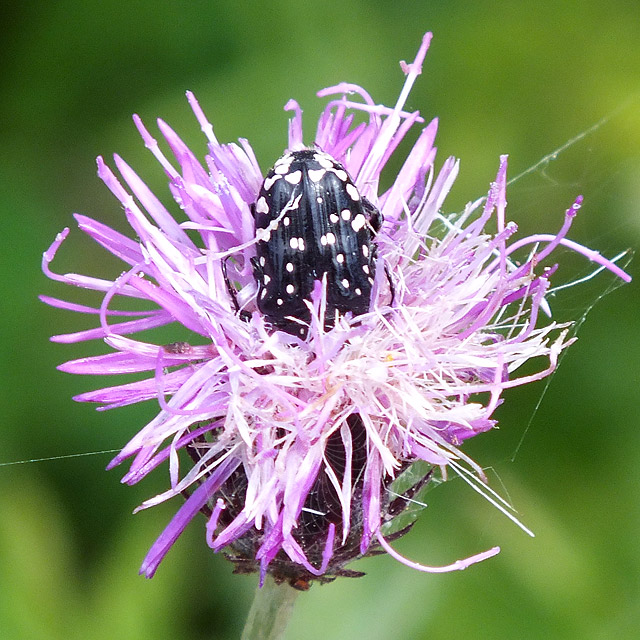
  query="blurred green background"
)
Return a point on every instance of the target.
[{"x": 503, "y": 78}]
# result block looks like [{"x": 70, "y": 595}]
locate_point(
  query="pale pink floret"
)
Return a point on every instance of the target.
[{"x": 463, "y": 319}]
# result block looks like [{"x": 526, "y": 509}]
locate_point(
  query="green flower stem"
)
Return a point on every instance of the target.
[{"x": 270, "y": 612}]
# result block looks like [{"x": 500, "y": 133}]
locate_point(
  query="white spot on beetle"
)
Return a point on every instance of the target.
[
  {"x": 334, "y": 218},
  {"x": 352, "y": 191},
  {"x": 365, "y": 250},
  {"x": 289, "y": 267},
  {"x": 346, "y": 214},
  {"x": 294, "y": 177},
  {"x": 263, "y": 235},
  {"x": 269, "y": 182},
  {"x": 331, "y": 239},
  {"x": 345, "y": 283},
  {"x": 358, "y": 291},
  {"x": 290, "y": 288},
  {"x": 266, "y": 279},
  {"x": 262, "y": 261},
  {"x": 286, "y": 221},
  {"x": 282, "y": 166},
  {"x": 301, "y": 244},
  {"x": 358, "y": 222},
  {"x": 293, "y": 243},
  {"x": 365, "y": 268},
  {"x": 340, "y": 258},
  {"x": 263, "y": 295},
  {"x": 342, "y": 175},
  {"x": 279, "y": 302},
  {"x": 262, "y": 206},
  {"x": 319, "y": 199},
  {"x": 324, "y": 160},
  {"x": 323, "y": 241},
  {"x": 316, "y": 174}
]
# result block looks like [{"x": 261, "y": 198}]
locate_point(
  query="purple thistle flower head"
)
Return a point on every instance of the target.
[{"x": 291, "y": 444}]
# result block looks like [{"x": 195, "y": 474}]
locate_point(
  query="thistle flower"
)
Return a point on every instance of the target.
[{"x": 289, "y": 444}]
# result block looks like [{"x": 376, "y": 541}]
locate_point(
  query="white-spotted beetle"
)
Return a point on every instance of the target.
[{"x": 311, "y": 222}]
